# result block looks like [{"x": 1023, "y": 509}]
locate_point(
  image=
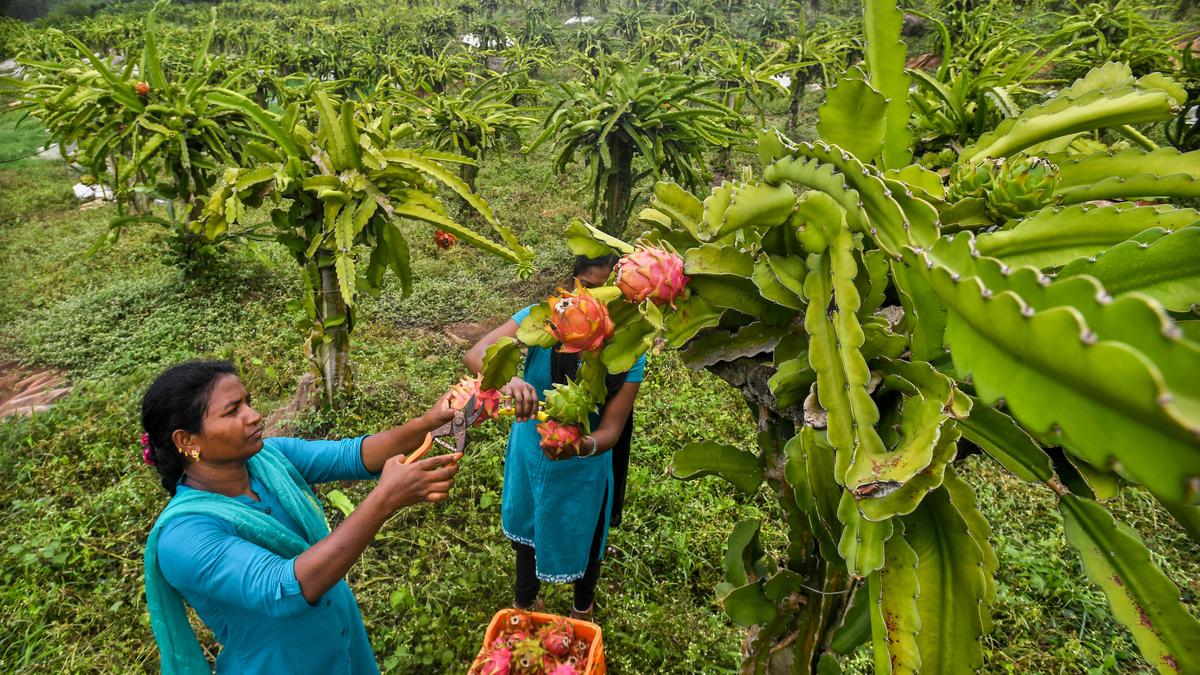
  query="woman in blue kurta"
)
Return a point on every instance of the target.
[
  {"x": 557, "y": 512},
  {"x": 244, "y": 541}
]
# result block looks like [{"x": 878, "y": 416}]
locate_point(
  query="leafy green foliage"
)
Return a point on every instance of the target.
[{"x": 630, "y": 111}]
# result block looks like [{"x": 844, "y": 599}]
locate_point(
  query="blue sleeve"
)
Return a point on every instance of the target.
[
  {"x": 324, "y": 461},
  {"x": 521, "y": 314},
  {"x": 638, "y": 372},
  {"x": 203, "y": 556}
]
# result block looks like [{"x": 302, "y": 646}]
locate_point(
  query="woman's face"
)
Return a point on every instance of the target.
[
  {"x": 231, "y": 430},
  {"x": 594, "y": 277}
]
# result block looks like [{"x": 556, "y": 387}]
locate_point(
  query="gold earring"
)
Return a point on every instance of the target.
[{"x": 194, "y": 454}]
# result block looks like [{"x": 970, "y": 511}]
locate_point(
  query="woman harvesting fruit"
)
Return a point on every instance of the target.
[
  {"x": 559, "y": 489},
  {"x": 244, "y": 541}
]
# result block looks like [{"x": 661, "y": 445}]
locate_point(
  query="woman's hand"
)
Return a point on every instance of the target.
[
  {"x": 524, "y": 398},
  {"x": 439, "y": 413},
  {"x": 426, "y": 480}
]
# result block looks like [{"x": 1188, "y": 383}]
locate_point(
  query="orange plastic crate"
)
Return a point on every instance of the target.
[{"x": 585, "y": 629}]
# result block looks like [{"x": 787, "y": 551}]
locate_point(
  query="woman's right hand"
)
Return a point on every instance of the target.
[
  {"x": 426, "y": 480},
  {"x": 524, "y": 398}
]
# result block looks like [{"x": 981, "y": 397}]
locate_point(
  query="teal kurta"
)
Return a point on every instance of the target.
[
  {"x": 246, "y": 592},
  {"x": 554, "y": 506}
]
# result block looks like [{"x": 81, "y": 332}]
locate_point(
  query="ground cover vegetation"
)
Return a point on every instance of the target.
[{"x": 950, "y": 289}]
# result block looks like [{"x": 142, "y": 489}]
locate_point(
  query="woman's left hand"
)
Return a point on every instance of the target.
[{"x": 440, "y": 413}]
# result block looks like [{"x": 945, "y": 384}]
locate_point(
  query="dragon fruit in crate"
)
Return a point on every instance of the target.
[
  {"x": 495, "y": 661},
  {"x": 651, "y": 273},
  {"x": 563, "y": 669},
  {"x": 557, "y": 636},
  {"x": 579, "y": 321},
  {"x": 528, "y": 657}
]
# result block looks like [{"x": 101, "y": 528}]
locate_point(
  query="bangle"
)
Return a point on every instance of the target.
[{"x": 593, "y": 452}]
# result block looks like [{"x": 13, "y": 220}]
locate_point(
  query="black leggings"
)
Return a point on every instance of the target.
[{"x": 527, "y": 586}]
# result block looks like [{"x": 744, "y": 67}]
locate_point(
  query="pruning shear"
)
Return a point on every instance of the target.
[{"x": 456, "y": 427}]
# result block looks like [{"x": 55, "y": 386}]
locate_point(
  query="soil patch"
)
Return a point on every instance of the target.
[{"x": 28, "y": 391}]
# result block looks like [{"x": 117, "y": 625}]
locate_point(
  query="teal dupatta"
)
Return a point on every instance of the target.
[{"x": 179, "y": 649}]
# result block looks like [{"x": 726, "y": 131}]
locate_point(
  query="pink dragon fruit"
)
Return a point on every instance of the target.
[
  {"x": 579, "y": 321},
  {"x": 494, "y": 662},
  {"x": 556, "y": 637},
  {"x": 563, "y": 669},
  {"x": 489, "y": 399},
  {"x": 559, "y": 440},
  {"x": 651, "y": 273}
]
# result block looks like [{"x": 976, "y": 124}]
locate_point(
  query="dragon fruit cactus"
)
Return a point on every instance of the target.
[
  {"x": 527, "y": 657},
  {"x": 494, "y": 662},
  {"x": 560, "y": 440},
  {"x": 557, "y": 636},
  {"x": 651, "y": 273},
  {"x": 579, "y": 321},
  {"x": 489, "y": 399},
  {"x": 444, "y": 240}
]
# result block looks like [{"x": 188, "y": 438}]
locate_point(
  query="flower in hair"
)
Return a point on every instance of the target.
[{"x": 147, "y": 450}]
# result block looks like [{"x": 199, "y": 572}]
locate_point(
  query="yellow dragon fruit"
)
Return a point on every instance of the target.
[
  {"x": 579, "y": 321},
  {"x": 651, "y": 273}
]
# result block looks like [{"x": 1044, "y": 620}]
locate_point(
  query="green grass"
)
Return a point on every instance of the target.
[
  {"x": 77, "y": 501},
  {"x": 19, "y": 139}
]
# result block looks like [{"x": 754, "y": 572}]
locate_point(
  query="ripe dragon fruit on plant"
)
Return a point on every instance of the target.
[
  {"x": 141, "y": 88},
  {"x": 1023, "y": 185},
  {"x": 444, "y": 240},
  {"x": 651, "y": 273},
  {"x": 488, "y": 399},
  {"x": 559, "y": 440},
  {"x": 579, "y": 321}
]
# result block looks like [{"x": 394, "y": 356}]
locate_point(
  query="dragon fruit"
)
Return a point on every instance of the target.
[
  {"x": 579, "y": 321},
  {"x": 488, "y": 399},
  {"x": 494, "y": 662},
  {"x": 519, "y": 621},
  {"x": 527, "y": 656},
  {"x": 559, "y": 440},
  {"x": 444, "y": 240},
  {"x": 569, "y": 403},
  {"x": 557, "y": 636},
  {"x": 141, "y": 88},
  {"x": 651, "y": 273},
  {"x": 563, "y": 669}
]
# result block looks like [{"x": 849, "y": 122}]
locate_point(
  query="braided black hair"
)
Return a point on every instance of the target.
[{"x": 178, "y": 399}]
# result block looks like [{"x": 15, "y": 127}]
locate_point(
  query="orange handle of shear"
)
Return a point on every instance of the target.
[{"x": 420, "y": 452}]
